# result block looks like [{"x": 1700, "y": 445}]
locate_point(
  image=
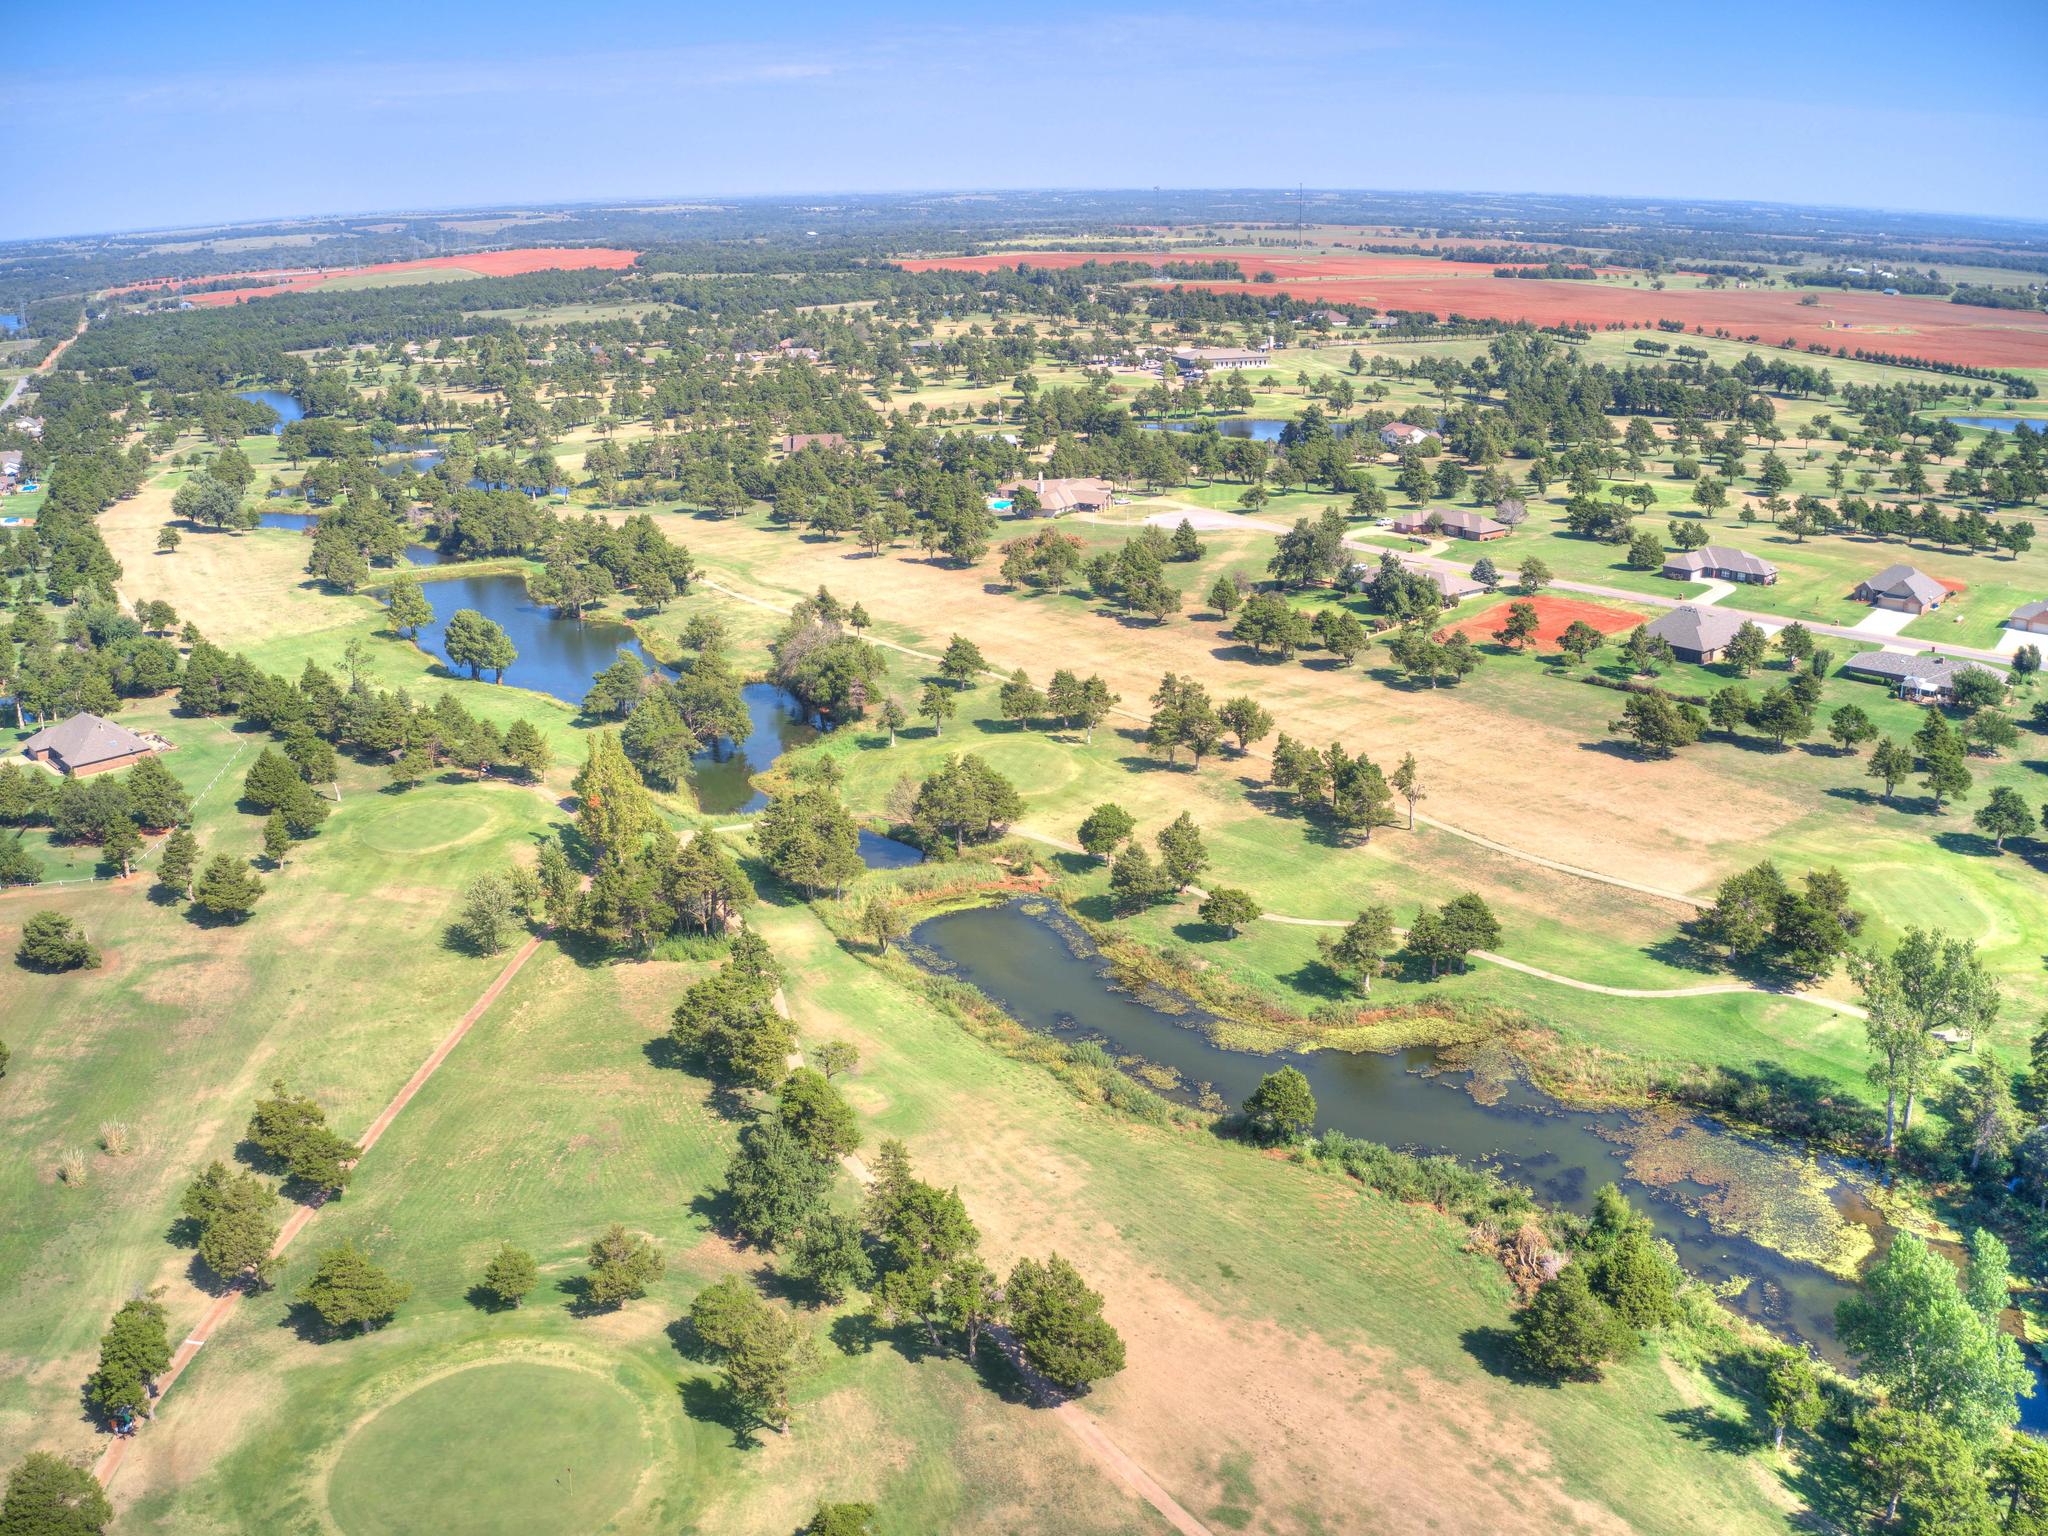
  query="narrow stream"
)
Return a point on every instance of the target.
[{"x": 1035, "y": 963}]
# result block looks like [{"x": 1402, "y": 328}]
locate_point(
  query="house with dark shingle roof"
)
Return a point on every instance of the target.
[
  {"x": 1720, "y": 562},
  {"x": 1903, "y": 589},
  {"x": 86, "y": 744},
  {"x": 1926, "y": 679},
  {"x": 2031, "y": 617},
  {"x": 1694, "y": 633}
]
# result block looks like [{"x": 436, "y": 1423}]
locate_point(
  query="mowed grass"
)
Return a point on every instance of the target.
[
  {"x": 542, "y": 1446},
  {"x": 1744, "y": 800},
  {"x": 1277, "y": 1318}
]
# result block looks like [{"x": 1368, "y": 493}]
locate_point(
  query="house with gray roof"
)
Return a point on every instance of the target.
[
  {"x": 1720, "y": 562},
  {"x": 2031, "y": 617},
  {"x": 1695, "y": 633},
  {"x": 1903, "y": 589},
  {"x": 86, "y": 744},
  {"x": 1926, "y": 679}
]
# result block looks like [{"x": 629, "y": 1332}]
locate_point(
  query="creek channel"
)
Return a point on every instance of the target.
[{"x": 1033, "y": 961}]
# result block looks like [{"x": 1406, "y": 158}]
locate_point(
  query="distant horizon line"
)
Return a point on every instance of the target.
[{"x": 1671, "y": 201}]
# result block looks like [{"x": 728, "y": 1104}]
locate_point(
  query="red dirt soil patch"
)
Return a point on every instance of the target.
[
  {"x": 1554, "y": 615},
  {"x": 537, "y": 258},
  {"x": 1844, "y": 323},
  {"x": 1955, "y": 588}
]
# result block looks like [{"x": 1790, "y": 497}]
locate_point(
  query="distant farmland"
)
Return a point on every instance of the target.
[
  {"x": 1916, "y": 327},
  {"x": 540, "y": 258}
]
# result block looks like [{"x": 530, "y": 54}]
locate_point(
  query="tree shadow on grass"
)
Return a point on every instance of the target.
[
  {"x": 1316, "y": 979},
  {"x": 1703, "y": 1426},
  {"x": 206, "y": 917},
  {"x": 998, "y": 1374},
  {"x": 1968, "y": 844},
  {"x": 1685, "y": 951},
  {"x": 854, "y": 1333},
  {"x": 1614, "y": 746},
  {"x": 309, "y": 1327},
  {"x": 706, "y": 1400},
  {"x": 204, "y": 1279},
  {"x": 690, "y": 1344},
  {"x": 1097, "y": 908},
  {"x": 1494, "y": 1349}
]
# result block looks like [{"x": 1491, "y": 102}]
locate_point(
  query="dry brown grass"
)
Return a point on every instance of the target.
[{"x": 1533, "y": 786}]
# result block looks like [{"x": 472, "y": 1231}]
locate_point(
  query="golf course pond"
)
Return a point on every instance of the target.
[
  {"x": 561, "y": 656},
  {"x": 1733, "y": 1206}
]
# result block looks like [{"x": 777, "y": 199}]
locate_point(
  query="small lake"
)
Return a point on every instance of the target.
[
  {"x": 561, "y": 657},
  {"x": 287, "y": 406},
  {"x": 1998, "y": 423},
  {"x": 1260, "y": 429},
  {"x": 1039, "y": 967},
  {"x": 722, "y": 774},
  {"x": 557, "y": 656},
  {"x": 306, "y": 522}
]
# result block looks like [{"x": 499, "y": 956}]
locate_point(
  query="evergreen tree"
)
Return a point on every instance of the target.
[
  {"x": 509, "y": 1276},
  {"x": 348, "y": 1291},
  {"x": 622, "y": 1265},
  {"x": 1059, "y": 1324},
  {"x": 1568, "y": 1332},
  {"x": 1282, "y": 1108}
]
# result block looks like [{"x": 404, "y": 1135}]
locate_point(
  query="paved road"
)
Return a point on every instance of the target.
[{"x": 1863, "y": 637}]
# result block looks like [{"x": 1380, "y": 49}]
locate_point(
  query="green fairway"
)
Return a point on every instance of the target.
[{"x": 506, "y": 1446}]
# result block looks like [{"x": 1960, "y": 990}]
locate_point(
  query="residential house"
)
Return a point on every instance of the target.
[
  {"x": 1903, "y": 589},
  {"x": 1401, "y": 434},
  {"x": 86, "y": 744},
  {"x": 2030, "y": 617},
  {"x": 1461, "y": 524},
  {"x": 797, "y": 442},
  {"x": 1452, "y": 586},
  {"x": 10, "y": 465},
  {"x": 1219, "y": 359},
  {"x": 1925, "y": 679},
  {"x": 1057, "y": 496},
  {"x": 1695, "y": 633},
  {"x": 1718, "y": 562}
]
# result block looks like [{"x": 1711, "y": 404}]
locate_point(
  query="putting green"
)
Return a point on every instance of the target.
[
  {"x": 510, "y": 1446},
  {"x": 425, "y": 822}
]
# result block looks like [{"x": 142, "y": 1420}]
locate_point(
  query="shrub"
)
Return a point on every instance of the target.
[{"x": 50, "y": 941}]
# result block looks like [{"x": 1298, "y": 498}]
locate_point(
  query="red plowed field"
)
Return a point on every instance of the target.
[
  {"x": 1841, "y": 322},
  {"x": 1554, "y": 615},
  {"x": 538, "y": 258}
]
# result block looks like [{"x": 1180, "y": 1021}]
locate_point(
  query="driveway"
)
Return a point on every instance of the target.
[
  {"x": 1883, "y": 621},
  {"x": 2010, "y": 640}
]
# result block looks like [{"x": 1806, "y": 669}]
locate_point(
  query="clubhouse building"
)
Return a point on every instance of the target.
[{"x": 86, "y": 744}]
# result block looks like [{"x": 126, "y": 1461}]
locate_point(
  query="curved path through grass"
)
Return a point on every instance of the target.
[{"x": 111, "y": 1459}]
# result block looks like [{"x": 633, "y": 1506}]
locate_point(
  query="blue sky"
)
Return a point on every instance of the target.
[{"x": 139, "y": 116}]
